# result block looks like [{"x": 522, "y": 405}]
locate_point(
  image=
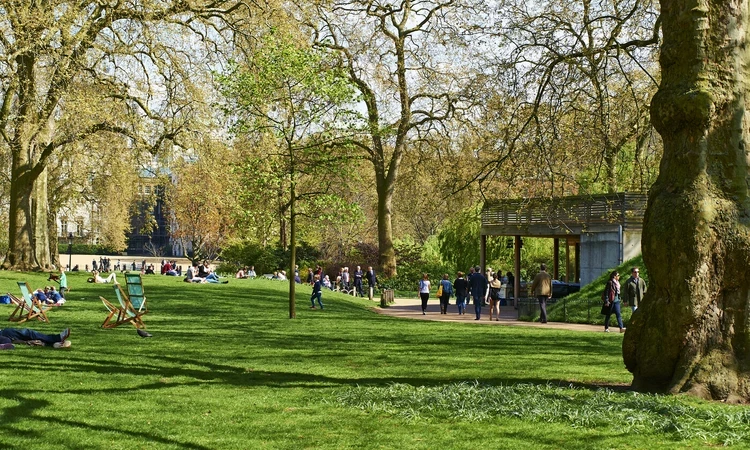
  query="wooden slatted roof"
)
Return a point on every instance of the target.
[{"x": 565, "y": 216}]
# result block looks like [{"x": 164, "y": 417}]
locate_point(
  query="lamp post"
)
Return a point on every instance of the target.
[{"x": 70, "y": 251}]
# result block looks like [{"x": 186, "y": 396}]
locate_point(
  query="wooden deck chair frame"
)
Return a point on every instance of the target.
[
  {"x": 124, "y": 313},
  {"x": 28, "y": 307}
]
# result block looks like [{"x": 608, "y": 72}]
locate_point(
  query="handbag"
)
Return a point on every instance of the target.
[{"x": 440, "y": 290}]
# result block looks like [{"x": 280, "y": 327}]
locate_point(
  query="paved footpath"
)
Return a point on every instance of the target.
[{"x": 411, "y": 308}]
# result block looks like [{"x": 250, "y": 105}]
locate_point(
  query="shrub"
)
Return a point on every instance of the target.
[{"x": 84, "y": 249}]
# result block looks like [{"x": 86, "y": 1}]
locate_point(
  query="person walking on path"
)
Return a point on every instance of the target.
[
  {"x": 424, "y": 291},
  {"x": 542, "y": 289},
  {"x": 316, "y": 293},
  {"x": 461, "y": 289},
  {"x": 612, "y": 302},
  {"x": 447, "y": 292},
  {"x": 371, "y": 280},
  {"x": 28, "y": 336},
  {"x": 634, "y": 288},
  {"x": 494, "y": 296},
  {"x": 478, "y": 285}
]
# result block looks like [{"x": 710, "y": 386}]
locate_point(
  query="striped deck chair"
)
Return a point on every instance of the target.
[
  {"x": 28, "y": 307},
  {"x": 124, "y": 312}
]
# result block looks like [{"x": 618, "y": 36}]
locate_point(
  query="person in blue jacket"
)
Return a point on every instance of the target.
[
  {"x": 447, "y": 292},
  {"x": 316, "y": 293}
]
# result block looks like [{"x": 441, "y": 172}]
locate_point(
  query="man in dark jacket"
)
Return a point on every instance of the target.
[
  {"x": 634, "y": 289},
  {"x": 371, "y": 281},
  {"x": 358, "y": 281},
  {"x": 478, "y": 285}
]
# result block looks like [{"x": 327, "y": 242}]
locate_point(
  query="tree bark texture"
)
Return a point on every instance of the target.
[
  {"x": 690, "y": 333},
  {"x": 20, "y": 254},
  {"x": 41, "y": 227},
  {"x": 386, "y": 250}
]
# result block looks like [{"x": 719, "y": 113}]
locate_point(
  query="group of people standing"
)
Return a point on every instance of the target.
[
  {"x": 475, "y": 286},
  {"x": 345, "y": 282}
]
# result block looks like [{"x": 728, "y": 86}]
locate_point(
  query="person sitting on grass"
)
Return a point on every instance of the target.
[
  {"x": 251, "y": 272},
  {"x": 192, "y": 274},
  {"x": 316, "y": 293},
  {"x": 40, "y": 295},
  {"x": 27, "y": 336},
  {"x": 53, "y": 297}
]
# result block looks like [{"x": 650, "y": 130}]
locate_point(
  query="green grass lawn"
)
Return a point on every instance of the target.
[{"x": 226, "y": 368}]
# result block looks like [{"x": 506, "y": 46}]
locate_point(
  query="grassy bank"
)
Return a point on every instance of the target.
[{"x": 227, "y": 369}]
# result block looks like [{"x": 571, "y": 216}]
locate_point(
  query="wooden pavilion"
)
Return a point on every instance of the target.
[{"x": 599, "y": 231}]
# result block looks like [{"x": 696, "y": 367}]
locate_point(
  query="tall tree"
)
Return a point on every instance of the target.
[
  {"x": 692, "y": 333},
  {"x": 587, "y": 66},
  {"x": 393, "y": 52},
  {"x": 118, "y": 53},
  {"x": 203, "y": 198},
  {"x": 296, "y": 94}
]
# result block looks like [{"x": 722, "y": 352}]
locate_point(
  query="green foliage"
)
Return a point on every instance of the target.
[
  {"x": 459, "y": 239},
  {"x": 84, "y": 249},
  {"x": 265, "y": 259},
  {"x": 601, "y": 409},
  {"x": 585, "y": 306},
  {"x": 412, "y": 265}
]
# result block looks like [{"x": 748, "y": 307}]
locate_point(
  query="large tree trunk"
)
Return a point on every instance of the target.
[
  {"x": 691, "y": 332},
  {"x": 41, "y": 227},
  {"x": 54, "y": 249},
  {"x": 20, "y": 254},
  {"x": 386, "y": 251}
]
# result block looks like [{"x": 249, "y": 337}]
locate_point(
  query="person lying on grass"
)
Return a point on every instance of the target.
[
  {"x": 112, "y": 278},
  {"x": 9, "y": 336}
]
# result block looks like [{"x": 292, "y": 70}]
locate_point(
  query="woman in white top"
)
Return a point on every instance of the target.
[
  {"x": 424, "y": 292},
  {"x": 112, "y": 278}
]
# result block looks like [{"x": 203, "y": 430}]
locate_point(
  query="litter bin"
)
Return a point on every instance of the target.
[{"x": 386, "y": 297}]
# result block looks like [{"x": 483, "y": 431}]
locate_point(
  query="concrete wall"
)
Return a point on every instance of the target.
[
  {"x": 632, "y": 244},
  {"x": 600, "y": 252}
]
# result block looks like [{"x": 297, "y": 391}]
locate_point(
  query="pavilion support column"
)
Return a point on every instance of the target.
[
  {"x": 567, "y": 261},
  {"x": 577, "y": 279},
  {"x": 483, "y": 252},
  {"x": 517, "y": 268},
  {"x": 556, "y": 260}
]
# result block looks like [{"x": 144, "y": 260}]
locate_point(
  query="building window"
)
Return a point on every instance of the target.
[
  {"x": 79, "y": 228},
  {"x": 148, "y": 190},
  {"x": 63, "y": 227}
]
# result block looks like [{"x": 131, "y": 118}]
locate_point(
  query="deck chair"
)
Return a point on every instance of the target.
[
  {"x": 136, "y": 296},
  {"x": 28, "y": 307},
  {"x": 124, "y": 312}
]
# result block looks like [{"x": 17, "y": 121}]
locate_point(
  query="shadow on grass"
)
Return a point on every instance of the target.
[
  {"x": 182, "y": 368},
  {"x": 26, "y": 410}
]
